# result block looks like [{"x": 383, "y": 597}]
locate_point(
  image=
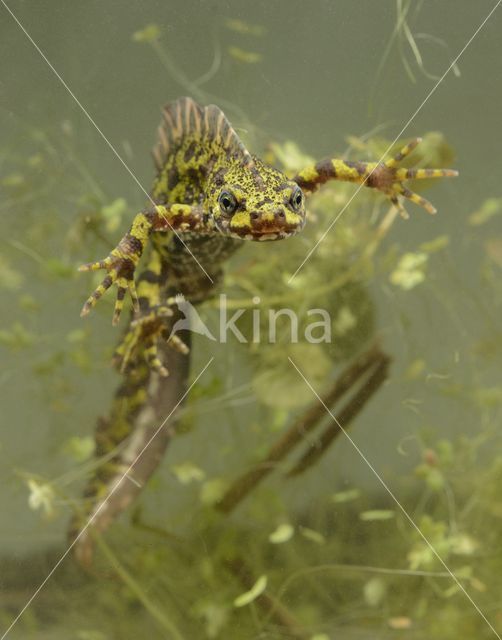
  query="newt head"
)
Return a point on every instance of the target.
[{"x": 255, "y": 202}]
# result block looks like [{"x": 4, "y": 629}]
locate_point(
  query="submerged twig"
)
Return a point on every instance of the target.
[
  {"x": 344, "y": 418},
  {"x": 299, "y": 429}
]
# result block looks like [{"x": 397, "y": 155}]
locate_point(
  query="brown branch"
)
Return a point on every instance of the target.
[
  {"x": 297, "y": 432},
  {"x": 346, "y": 415}
]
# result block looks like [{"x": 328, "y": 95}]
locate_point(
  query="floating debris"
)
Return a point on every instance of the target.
[
  {"x": 248, "y": 57},
  {"x": 245, "y": 28},
  {"x": 255, "y": 592}
]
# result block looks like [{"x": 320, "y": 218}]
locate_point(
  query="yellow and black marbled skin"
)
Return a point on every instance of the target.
[{"x": 189, "y": 233}]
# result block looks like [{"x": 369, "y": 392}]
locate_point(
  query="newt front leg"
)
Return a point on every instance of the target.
[
  {"x": 387, "y": 177},
  {"x": 122, "y": 261}
]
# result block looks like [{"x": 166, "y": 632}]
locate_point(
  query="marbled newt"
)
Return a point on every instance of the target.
[{"x": 210, "y": 194}]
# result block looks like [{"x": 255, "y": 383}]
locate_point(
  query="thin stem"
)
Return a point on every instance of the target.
[{"x": 127, "y": 578}]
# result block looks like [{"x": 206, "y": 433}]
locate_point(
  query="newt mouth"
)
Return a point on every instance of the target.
[
  {"x": 261, "y": 230},
  {"x": 262, "y": 236},
  {"x": 269, "y": 233}
]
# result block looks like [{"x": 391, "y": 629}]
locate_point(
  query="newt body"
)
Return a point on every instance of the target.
[{"x": 209, "y": 195}]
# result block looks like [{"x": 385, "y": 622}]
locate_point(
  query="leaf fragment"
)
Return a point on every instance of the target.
[{"x": 255, "y": 592}]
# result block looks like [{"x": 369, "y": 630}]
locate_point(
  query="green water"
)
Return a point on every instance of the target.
[{"x": 313, "y": 73}]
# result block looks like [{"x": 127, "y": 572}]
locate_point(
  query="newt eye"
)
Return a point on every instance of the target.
[
  {"x": 296, "y": 199},
  {"x": 228, "y": 203}
]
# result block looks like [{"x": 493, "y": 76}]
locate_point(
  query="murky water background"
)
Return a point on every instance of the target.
[{"x": 315, "y": 73}]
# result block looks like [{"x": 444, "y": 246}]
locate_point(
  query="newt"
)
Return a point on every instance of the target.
[{"x": 210, "y": 195}]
